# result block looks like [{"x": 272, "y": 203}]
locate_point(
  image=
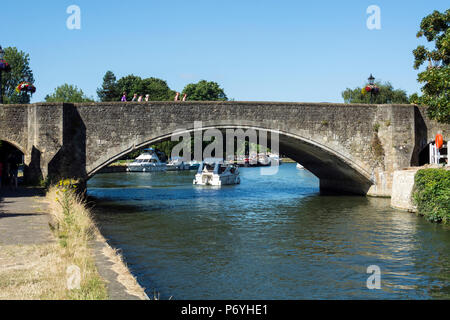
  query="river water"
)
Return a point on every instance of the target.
[{"x": 271, "y": 237}]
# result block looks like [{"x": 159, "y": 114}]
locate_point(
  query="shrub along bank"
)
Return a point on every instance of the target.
[{"x": 432, "y": 194}]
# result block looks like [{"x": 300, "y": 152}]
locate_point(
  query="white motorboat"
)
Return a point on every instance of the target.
[
  {"x": 217, "y": 174},
  {"x": 263, "y": 160},
  {"x": 149, "y": 161},
  {"x": 177, "y": 164},
  {"x": 300, "y": 167}
]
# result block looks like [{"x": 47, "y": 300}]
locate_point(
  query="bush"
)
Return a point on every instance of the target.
[{"x": 432, "y": 194}]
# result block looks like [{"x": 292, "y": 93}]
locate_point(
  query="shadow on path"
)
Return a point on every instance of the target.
[{"x": 23, "y": 219}]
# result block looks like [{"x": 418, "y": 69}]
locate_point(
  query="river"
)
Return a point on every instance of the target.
[{"x": 271, "y": 237}]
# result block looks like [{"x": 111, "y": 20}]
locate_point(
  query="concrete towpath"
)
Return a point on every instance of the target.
[{"x": 23, "y": 220}]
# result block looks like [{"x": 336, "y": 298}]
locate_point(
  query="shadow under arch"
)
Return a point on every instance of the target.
[
  {"x": 336, "y": 172},
  {"x": 10, "y": 153}
]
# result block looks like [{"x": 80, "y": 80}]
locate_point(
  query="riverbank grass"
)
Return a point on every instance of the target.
[
  {"x": 74, "y": 229},
  {"x": 432, "y": 194}
]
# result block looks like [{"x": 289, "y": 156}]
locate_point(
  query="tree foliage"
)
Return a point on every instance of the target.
[
  {"x": 436, "y": 78},
  {"x": 432, "y": 194},
  {"x": 109, "y": 90},
  {"x": 204, "y": 90},
  {"x": 386, "y": 95},
  {"x": 67, "y": 93},
  {"x": 20, "y": 71},
  {"x": 112, "y": 90}
]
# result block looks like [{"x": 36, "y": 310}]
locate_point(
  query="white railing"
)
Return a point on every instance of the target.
[{"x": 435, "y": 154}]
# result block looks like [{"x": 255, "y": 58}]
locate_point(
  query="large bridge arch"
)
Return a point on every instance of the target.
[{"x": 330, "y": 166}]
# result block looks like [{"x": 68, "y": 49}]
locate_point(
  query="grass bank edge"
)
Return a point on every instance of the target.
[{"x": 74, "y": 229}]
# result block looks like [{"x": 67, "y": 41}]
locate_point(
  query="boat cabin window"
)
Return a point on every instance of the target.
[{"x": 208, "y": 167}]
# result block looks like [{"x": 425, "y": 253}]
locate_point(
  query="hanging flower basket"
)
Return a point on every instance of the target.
[
  {"x": 4, "y": 66},
  {"x": 371, "y": 88},
  {"x": 25, "y": 87}
]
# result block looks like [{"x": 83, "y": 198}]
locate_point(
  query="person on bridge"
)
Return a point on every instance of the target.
[
  {"x": 184, "y": 97},
  {"x": 140, "y": 99},
  {"x": 124, "y": 97},
  {"x": 134, "y": 97},
  {"x": 147, "y": 97},
  {"x": 177, "y": 97}
]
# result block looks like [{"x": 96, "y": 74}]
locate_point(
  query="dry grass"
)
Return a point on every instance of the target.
[{"x": 74, "y": 228}]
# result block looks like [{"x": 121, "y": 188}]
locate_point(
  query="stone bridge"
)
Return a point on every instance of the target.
[{"x": 350, "y": 148}]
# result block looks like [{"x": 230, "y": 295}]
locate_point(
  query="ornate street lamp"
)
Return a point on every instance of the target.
[
  {"x": 4, "y": 66},
  {"x": 372, "y": 88}
]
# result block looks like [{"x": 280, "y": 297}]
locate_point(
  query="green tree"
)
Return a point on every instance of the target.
[
  {"x": 67, "y": 93},
  {"x": 436, "y": 78},
  {"x": 157, "y": 89},
  {"x": 109, "y": 90},
  {"x": 20, "y": 71},
  {"x": 204, "y": 90},
  {"x": 130, "y": 84},
  {"x": 387, "y": 94}
]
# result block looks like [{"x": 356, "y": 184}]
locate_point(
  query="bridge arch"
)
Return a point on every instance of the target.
[{"x": 336, "y": 171}]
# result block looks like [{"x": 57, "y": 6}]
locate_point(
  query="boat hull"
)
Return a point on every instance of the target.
[
  {"x": 146, "y": 168},
  {"x": 215, "y": 180}
]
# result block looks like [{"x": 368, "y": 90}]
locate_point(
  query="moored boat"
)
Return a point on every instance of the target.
[
  {"x": 177, "y": 164},
  {"x": 217, "y": 174},
  {"x": 149, "y": 161}
]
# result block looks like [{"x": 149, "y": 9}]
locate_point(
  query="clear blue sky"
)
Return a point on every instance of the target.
[{"x": 255, "y": 49}]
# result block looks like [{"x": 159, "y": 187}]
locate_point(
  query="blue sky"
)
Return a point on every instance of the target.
[{"x": 255, "y": 49}]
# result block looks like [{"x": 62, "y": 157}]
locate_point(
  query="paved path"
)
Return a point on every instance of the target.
[{"x": 22, "y": 220}]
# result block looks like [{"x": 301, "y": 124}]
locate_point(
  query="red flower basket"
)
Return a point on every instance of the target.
[{"x": 25, "y": 87}]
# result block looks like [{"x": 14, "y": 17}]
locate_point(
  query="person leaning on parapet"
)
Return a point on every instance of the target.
[
  {"x": 124, "y": 97},
  {"x": 134, "y": 97},
  {"x": 184, "y": 97},
  {"x": 177, "y": 97}
]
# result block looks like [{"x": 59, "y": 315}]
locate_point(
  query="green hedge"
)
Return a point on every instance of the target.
[{"x": 432, "y": 194}]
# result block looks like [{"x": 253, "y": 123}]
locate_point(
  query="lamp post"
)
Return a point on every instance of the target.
[
  {"x": 2, "y": 55},
  {"x": 373, "y": 88}
]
